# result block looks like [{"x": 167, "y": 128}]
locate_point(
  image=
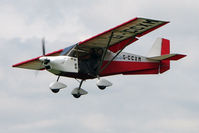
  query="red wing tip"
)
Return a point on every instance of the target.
[
  {"x": 18, "y": 64},
  {"x": 14, "y": 65}
]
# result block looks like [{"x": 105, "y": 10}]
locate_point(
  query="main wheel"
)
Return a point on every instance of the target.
[
  {"x": 76, "y": 95},
  {"x": 55, "y": 90},
  {"x": 102, "y": 87}
]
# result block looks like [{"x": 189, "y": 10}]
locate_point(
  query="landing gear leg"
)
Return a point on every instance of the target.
[
  {"x": 81, "y": 83},
  {"x": 77, "y": 95},
  {"x": 56, "y": 90},
  {"x": 58, "y": 78}
]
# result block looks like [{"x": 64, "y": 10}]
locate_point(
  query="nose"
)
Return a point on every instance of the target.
[
  {"x": 45, "y": 60},
  {"x": 42, "y": 58}
]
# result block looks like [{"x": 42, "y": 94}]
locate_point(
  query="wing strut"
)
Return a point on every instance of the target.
[
  {"x": 107, "y": 64},
  {"x": 104, "y": 53}
]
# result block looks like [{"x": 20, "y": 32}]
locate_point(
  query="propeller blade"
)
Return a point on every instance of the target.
[
  {"x": 43, "y": 53},
  {"x": 43, "y": 47}
]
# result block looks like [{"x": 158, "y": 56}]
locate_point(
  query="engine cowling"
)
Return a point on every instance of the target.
[{"x": 60, "y": 63}]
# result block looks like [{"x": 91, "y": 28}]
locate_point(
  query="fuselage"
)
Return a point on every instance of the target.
[{"x": 124, "y": 63}]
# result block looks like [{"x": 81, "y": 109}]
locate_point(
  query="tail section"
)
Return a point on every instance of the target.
[{"x": 160, "y": 51}]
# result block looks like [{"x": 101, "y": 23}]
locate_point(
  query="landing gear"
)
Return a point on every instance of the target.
[
  {"x": 77, "y": 92},
  {"x": 101, "y": 87},
  {"x": 55, "y": 90},
  {"x": 103, "y": 83},
  {"x": 76, "y": 95},
  {"x": 56, "y": 86}
]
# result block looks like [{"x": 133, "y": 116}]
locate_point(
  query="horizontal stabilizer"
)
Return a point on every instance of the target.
[{"x": 167, "y": 57}]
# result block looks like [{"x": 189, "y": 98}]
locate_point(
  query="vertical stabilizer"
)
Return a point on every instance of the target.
[
  {"x": 159, "y": 48},
  {"x": 156, "y": 48}
]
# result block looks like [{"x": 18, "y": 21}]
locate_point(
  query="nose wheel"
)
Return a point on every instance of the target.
[
  {"x": 56, "y": 86},
  {"x": 76, "y": 95},
  {"x": 77, "y": 92}
]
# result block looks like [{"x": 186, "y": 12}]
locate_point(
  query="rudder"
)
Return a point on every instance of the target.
[{"x": 165, "y": 49}]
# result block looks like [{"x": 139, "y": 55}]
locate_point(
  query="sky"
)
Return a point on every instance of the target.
[{"x": 166, "y": 103}]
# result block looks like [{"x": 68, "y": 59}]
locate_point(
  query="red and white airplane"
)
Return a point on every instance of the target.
[{"x": 102, "y": 55}]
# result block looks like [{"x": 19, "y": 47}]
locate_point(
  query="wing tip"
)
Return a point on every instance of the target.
[
  {"x": 151, "y": 19},
  {"x": 15, "y": 65},
  {"x": 24, "y": 62}
]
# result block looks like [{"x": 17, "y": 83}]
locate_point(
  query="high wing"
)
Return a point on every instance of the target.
[
  {"x": 123, "y": 34},
  {"x": 35, "y": 63}
]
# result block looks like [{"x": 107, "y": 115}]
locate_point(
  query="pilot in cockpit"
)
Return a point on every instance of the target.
[{"x": 88, "y": 64}]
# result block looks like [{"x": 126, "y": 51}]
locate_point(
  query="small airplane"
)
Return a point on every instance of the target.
[{"x": 101, "y": 55}]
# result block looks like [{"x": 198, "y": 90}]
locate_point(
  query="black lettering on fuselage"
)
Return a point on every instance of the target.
[
  {"x": 132, "y": 58},
  {"x": 129, "y": 57},
  {"x": 136, "y": 58},
  {"x": 124, "y": 57},
  {"x": 139, "y": 59}
]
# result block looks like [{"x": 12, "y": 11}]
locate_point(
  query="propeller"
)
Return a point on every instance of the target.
[
  {"x": 45, "y": 61},
  {"x": 43, "y": 46}
]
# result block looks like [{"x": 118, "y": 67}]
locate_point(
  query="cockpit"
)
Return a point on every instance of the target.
[
  {"x": 88, "y": 57},
  {"x": 76, "y": 51}
]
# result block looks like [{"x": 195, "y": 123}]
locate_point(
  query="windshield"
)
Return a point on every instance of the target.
[{"x": 66, "y": 50}]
